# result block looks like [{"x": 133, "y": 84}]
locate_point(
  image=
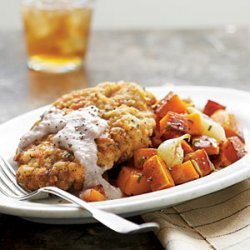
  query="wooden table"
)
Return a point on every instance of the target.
[{"x": 218, "y": 57}]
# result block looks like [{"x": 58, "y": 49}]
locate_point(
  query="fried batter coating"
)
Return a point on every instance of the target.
[
  {"x": 128, "y": 110},
  {"x": 43, "y": 164}
]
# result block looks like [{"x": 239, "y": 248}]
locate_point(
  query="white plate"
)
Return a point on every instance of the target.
[{"x": 53, "y": 211}]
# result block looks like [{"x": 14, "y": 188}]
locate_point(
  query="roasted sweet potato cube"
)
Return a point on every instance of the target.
[
  {"x": 231, "y": 151},
  {"x": 186, "y": 147},
  {"x": 156, "y": 141},
  {"x": 93, "y": 194},
  {"x": 211, "y": 107},
  {"x": 133, "y": 181},
  {"x": 215, "y": 159},
  {"x": 208, "y": 143},
  {"x": 173, "y": 123},
  {"x": 157, "y": 173},
  {"x": 228, "y": 122},
  {"x": 194, "y": 124},
  {"x": 141, "y": 155},
  {"x": 184, "y": 172},
  {"x": 201, "y": 162},
  {"x": 170, "y": 134},
  {"x": 171, "y": 102}
]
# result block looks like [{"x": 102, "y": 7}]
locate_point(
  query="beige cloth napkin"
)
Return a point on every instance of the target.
[{"x": 216, "y": 221}]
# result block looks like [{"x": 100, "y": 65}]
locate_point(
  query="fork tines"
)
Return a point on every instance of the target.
[{"x": 8, "y": 184}]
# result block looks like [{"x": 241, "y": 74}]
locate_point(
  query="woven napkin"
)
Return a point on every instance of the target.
[{"x": 219, "y": 220}]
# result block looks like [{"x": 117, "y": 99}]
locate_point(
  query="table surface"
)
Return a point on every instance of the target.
[{"x": 216, "y": 57}]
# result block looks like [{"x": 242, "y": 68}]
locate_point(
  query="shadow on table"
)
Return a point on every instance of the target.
[
  {"x": 45, "y": 88},
  {"x": 18, "y": 234}
]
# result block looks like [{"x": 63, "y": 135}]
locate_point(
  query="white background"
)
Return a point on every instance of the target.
[{"x": 143, "y": 14}]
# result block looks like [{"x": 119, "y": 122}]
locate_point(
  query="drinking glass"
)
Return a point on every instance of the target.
[{"x": 56, "y": 33}]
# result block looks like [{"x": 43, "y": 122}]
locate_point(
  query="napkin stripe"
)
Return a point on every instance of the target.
[
  {"x": 170, "y": 213},
  {"x": 216, "y": 204},
  {"x": 171, "y": 222},
  {"x": 223, "y": 218},
  {"x": 235, "y": 244},
  {"x": 232, "y": 232},
  {"x": 196, "y": 231},
  {"x": 174, "y": 224},
  {"x": 208, "y": 206}
]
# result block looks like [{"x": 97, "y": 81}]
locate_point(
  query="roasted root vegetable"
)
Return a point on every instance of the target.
[
  {"x": 231, "y": 150},
  {"x": 173, "y": 125},
  {"x": 208, "y": 143},
  {"x": 184, "y": 172},
  {"x": 141, "y": 155},
  {"x": 186, "y": 147},
  {"x": 188, "y": 144},
  {"x": 228, "y": 122},
  {"x": 211, "y": 107},
  {"x": 208, "y": 126},
  {"x": 201, "y": 162},
  {"x": 133, "y": 181},
  {"x": 157, "y": 173},
  {"x": 170, "y": 102},
  {"x": 171, "y": 151},
  {"x": 194, "y": 124},
  {"x": 93, "y": 194},
  {"x": 156, "y": 140}
]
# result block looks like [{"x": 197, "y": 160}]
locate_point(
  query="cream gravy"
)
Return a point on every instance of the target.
[{"x": 76, "y": 132}]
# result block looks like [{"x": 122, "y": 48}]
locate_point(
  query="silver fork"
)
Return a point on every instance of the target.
[{"x": 10, "y": 188}]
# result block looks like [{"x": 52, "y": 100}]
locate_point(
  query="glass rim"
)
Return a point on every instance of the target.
[{"x": 48, "y": 4}]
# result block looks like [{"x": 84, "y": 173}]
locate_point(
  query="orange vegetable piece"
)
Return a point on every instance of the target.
[
  {"x": 186, "y": 147},
  {"x": 157, "y": 172},
  {"x": 173, "y": 124},
  {"x": 216, "y": 160},
  {"x": 92, "y": 195},
  {"x": 194, "y": 124},
  {"x": 184, "y": 172},
  {"x": 208, "y": 143},
  {"x": 170, "y": 134},
  {"x": 141, "y": 155},
  {"x": 201, "y": 162},
  {"x": 171, "y": 102},
  {"x": 228, "y": 122},
  {"x": 211, "y": 107},
  {"x": 132, "y": 181},
  {"x": 123, "y": 177},
  {"x": 156, "y": 140},
  {"x": 231, "y": 151}
]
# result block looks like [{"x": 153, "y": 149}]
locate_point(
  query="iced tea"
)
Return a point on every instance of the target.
[{"x": 56, "y": 35}]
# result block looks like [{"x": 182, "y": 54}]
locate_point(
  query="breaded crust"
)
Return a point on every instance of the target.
[{"x": 128, "y": 109}]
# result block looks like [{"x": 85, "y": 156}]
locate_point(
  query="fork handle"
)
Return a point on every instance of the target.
[{"x": 111, "y": 220}]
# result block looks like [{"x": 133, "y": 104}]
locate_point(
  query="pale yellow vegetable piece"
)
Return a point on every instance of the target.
[
  {"x": 209, "y": 127},
  {"x": 171, "y": 151}
]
